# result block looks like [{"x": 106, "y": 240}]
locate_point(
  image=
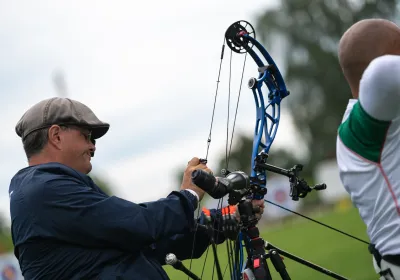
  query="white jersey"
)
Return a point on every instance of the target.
[{"x": 368, "y": 152}]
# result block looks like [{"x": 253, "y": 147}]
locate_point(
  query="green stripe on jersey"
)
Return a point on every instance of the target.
[{"x": 364, "y": 134}]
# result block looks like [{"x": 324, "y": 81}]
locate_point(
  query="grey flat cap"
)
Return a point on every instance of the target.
[{"x": 60, "y": 111}]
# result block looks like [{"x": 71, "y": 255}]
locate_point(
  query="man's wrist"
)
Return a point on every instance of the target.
[
  {"x": 192, "y": 198},
  {"x": 194, "y": 193}
]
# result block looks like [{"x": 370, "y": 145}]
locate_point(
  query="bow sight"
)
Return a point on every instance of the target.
[
  {"x": 238, "y": 184},
  {"x": 299, "y": 188}
]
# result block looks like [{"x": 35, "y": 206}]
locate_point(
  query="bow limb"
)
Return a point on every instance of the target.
[{"x": 241, "y": 38}]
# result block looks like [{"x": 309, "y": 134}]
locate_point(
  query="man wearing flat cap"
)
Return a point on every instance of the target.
[
  {"x": 65, "y": 227},
  {"x": 53, "y": 120}
]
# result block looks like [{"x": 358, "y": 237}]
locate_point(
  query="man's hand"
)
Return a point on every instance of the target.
[
  {"x": 231, "y": 218},
  {"x": 187, "y": 183},
  {"x": 259, "y": 204}
]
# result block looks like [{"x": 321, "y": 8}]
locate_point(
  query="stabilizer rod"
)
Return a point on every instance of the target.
[{"x": 318, "y": 268}]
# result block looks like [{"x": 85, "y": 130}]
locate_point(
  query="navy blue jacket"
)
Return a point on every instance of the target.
[{"x": 66, "y": 227}]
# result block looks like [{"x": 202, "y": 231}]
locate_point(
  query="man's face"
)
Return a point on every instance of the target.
[{"x": 76, "y": 148}]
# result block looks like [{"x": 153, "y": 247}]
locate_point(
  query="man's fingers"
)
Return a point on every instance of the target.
[
  {"x": 194, "y": 161},
  {"x": 203, "y": 160},
  {"x": 208, "y": 170},
  {"x": 257, "y": 209},
  {"x": 204, "y": 167},
  {"x": 200, "y": 166},
  {"x": 259, "y": 203}
]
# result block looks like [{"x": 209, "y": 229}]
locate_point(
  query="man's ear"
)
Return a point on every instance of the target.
[{"x": 54, "y": 136}]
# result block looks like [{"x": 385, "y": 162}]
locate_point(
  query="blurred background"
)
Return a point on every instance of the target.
[{"x": 150, "y": 68}]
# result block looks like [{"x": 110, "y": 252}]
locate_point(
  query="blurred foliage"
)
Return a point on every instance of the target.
[
  {"x": 179, "y": 177},
  {"x": 3, "y": 227},
  {"x": 240, "y": 159},
  {"x": 309, "y": 31},
  {"x": 240, "y": 156},
  {"x": 306, "y": 33},
  {"x": 6, "y": 244},
  {"x": 5, "y": 235},
  {"x": 104, "y": 185}
]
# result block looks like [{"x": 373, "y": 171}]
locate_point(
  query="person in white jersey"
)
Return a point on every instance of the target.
[{"x": 368, "y": 142}]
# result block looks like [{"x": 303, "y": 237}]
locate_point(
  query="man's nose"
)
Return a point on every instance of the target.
[{"x": 92, "y": 147}]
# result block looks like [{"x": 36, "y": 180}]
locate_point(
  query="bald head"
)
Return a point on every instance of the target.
[{"x": 363, "y": 42}]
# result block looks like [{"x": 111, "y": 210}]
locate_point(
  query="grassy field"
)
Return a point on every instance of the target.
[{"x": 310, "y": 241}]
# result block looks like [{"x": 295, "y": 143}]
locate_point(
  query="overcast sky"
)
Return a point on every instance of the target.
[{"x": 149, "y": 68}]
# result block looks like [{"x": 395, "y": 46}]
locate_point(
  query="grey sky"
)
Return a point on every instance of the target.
[{"x": 149, "y": 68}]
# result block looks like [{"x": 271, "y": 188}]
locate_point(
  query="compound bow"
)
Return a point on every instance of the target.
[{"x": 242, "y": 188}]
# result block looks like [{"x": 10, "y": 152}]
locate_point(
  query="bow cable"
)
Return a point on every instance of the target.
[{"x": 206, "y": 157}]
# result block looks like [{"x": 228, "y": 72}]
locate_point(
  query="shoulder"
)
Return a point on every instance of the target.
[{"x": 35, "y": 181}]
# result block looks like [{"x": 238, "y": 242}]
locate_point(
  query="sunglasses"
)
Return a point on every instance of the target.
[{"x": 87, "y": 134}]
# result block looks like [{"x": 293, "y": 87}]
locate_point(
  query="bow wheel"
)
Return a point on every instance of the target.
[{"x": 235, "y": 36}]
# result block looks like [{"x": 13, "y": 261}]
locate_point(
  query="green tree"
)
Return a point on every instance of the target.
[
  {"x": 102, "y": 183},
  {"x": 309, "y": 32},
  {"x": 240, "y": 159},
  {"x": 306, "y": 33},
  {"x": 240, "y": 156},
  {"x": 5, "y": 235}
]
